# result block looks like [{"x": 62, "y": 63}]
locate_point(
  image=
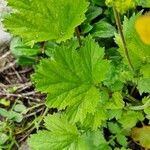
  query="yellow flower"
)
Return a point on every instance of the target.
[
  {"x": 121, "y": 5},
  {"x": 142, "y": 26}
]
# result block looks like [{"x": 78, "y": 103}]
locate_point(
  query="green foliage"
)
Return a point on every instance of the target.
[
  {"x": 61, "y": 134},
  {"x": 25, "y": 55},
  {"x": 95, "y": 90},
  {"x": 143, "y": 3},
  {"x": 137, "y": 49},
  {"x": 7, "y": 138},
  {"x": 92, "y": 13},
  {"x": 146, "y": 102},
  {"x": 54, "y": 20},
  {"x": 102, "y": 29},
  {"x": 70, "y": 83},
  {"x": 15, "y": 113},
  {"x": 143, "y": 85},
  {"x": 3, "y": 138},
  {"x": 138, "y": 52},
  {"x": 130, "y": 118}
]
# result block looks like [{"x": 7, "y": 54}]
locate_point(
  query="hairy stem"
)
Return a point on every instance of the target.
[
  {"x": 118, "y": 22},
  {"x": 78, "y": 36}
]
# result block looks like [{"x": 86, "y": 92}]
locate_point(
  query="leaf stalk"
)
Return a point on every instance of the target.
[{"x": 119, "y": 26}]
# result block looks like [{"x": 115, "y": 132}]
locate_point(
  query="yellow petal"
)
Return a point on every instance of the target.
[{"x": 142, "y": 26}]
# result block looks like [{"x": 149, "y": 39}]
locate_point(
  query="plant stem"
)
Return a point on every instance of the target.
[
  {"x": 118, "y": 22},
  {"x": 130, "y": 98},
  {"x": 43, "y": 46},
  {"x": 42, "y": 117},
  {"x": 78, "y": 36},
  {"x": 146, "y": 105}
]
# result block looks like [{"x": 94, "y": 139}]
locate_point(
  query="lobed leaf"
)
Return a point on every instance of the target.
[
  {"x": 70, "y": 78},
  {"x": 36, "y": 20},
  {"x": 61, "y": 135}
]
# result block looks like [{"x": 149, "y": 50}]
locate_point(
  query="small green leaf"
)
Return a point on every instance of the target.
[
  {"x": 4, "y": 113},
  {"x": 85, "y": 28},
  {"x": 3, "y": 138},
  {"x": 104, "y": 147},
  {"x": 99, "y": 2},
  {"x": 143, "y": 3},
  {"x": 12, "y": 115},
  {"x": 115, "y": 113},
  {"x": 25, "y": 55},
  {"x": 116, "y": 101},
  {"x": 20, "y": 108},
  {"x": 144, "y": 85},
  {"x": 19, "y": 48},
  {"x": 92, "y": 13},
  {"x": 122, "y": 140},
  {"x": 102, "y": 29},
  {"x": 5, "y": 102},
  {"x": 146, "y": 102},
  {"x": 17, "y": 117},
  {"x": 130, "y": 118},
  {"x": 114, "y": 127}
]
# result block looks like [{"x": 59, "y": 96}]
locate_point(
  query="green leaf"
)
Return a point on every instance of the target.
[
  {"x": 57, "y": 123},
  {"x": 141, "y": 135},
  {"x": 93, "y": 139},
  {"x": 61, "y": 135},
  {"x": 122, "y": 148},
  {"x": 113, "y": 81},
  {"x": 116, "y": 102},
  {"x": 18, "y": 48},
  {"x": 3, "y": 138},
  {"x": 145, "y": 70},
  {"x": 93, "y": 12},
  {"x": 25, "y": 55},
  {"x": 12, "y": 115},
  {"x": 5, "y": 102},
  {"x": 146, "y": 102},
  {"x": 114, "y": 127},
  {"x": 104, "y": 147},
  {"x": 114, "y": 113},
  {"x": 130, "y": 118},
  {"x": 122, "y": 140},
  {"x": 144, "y": 85},
  {"x": 3, "y": 112},
  {"x": 37, "y": 20},
  {"x": 143, "y": 3},
  {"x": 85, "y": 28},
  {"x": 83, "y": 104},
  {"x": 95, "y": 120},
  {"x": 102, "y": 29},
  {"x": 99, "y": 2},
  {"x": 26, "y": 61},
  {"x": 70, "y": 78},
  {"x": 17, "y": 117},
  {"x": 20, "y": 108}
]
